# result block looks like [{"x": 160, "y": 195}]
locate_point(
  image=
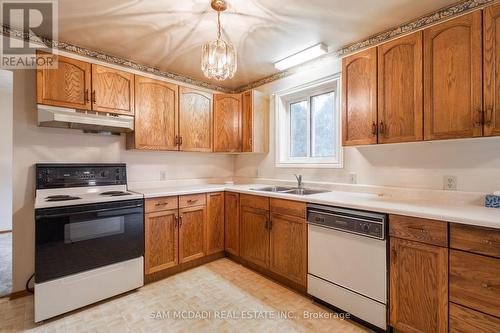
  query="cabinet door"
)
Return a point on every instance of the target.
[
  {"x": 155, "y": 115},
  {"x": 232, "y": 223},
  {"x": 215, "y": 222},
  {"x": 254, "y": 236},
  {"x": 161, "y": 237},
  {"x": 400, "y": 85},
  {"x": 227, "y": 123},
  {"x": 419, "y": 287},
  {"x": 192, "y": 233},
  {"x": 67, "y": 86},
  {"x": 195, "y": 120},
  {"x": 247, "y": 121},
  {"x": 359, "y": 102},
  {"x": 491, "y": 63},
  {"x": 288, "y": 244},
  {"x": 453, "y": 79},
  {"x": 112, "y": 90}
]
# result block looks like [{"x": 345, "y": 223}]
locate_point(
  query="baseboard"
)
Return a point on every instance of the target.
[
  {"x": 182, "y": 267},
  {"x": 19, "y": 294},
  {"x": 270, "y": 274}
]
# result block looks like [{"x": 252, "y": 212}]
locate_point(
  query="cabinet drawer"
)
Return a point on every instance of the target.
[
  {"x": 464, "y": 320},
  {"x": 160, "y": 204},
  {"x": 192, "y": 200},
  {"x": 475, "y": 281},
  {"x": 254, "y": 201},
  {"x": 288, "y": 207},
  {"x": 420, "y": 230},
  {"x": 475, "y": 239}
]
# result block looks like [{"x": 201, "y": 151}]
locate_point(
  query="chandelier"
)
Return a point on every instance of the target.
[{"x": 218, "y": 57}]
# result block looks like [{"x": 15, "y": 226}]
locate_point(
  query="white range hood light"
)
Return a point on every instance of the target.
[
  {"x": 87, "y": 121},
  {"x": 302, "y": 56}
]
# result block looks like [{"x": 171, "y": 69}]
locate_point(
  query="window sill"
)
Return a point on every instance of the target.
[{"x": 310, "y": 165}]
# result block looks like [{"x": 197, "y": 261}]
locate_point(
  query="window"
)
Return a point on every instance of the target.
[{"x": 308, "y": 126}]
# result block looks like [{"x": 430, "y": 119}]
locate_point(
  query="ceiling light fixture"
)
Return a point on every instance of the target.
[
  {"x": 302, "y": 56},
  {"x": 218, "y": 57}
]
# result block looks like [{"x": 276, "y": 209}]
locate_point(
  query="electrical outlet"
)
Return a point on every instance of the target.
[
  {"x": 353, "y": 178},
  {"x": 163, "y": 175},
  {"x": 450, "y": 183}
]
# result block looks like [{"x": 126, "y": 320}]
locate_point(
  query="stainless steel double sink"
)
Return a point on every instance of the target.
[{"x": 289, "y": 190}]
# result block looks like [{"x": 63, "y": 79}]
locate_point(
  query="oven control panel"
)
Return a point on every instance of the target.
[{"x": 80, "y": 175}]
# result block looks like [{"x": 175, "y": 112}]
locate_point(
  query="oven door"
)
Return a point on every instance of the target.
[{"x": 78, "y": 238}]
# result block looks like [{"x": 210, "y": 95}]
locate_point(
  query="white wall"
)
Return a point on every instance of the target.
[
  {"x": 34, "y": 144},
  {"x": 475, "y": 162},
  {"x": 5, "y": 150}
]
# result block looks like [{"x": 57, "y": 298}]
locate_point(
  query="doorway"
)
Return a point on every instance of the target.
[{"x": 6, "y": 125}]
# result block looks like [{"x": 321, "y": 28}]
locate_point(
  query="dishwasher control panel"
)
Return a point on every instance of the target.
[{"x": 367, "y": 224}]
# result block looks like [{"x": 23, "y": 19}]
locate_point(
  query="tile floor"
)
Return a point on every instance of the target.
[
  {"x": 5, "y": 264},
  {"x": 229, "y": 296}
]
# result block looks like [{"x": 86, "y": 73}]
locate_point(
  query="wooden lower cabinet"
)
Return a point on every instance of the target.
[
  {"x": 288, "y": 244},
  {"x": 464, "y": 320},
  {"x": 254, "y": 236},
  {"x": 418, "y": 287},
  {"x": 161, "y": 240},
  {"x": 215, "y": 222},
  {"x": 192, "y": 231},
  {"x": 232, "y": 223}
]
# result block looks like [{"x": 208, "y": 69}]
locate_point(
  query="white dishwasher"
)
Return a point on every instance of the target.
[{"x": 347, "y": 262}]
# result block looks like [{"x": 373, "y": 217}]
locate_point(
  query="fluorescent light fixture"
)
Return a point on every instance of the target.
[{"x": 302, "y": 56}]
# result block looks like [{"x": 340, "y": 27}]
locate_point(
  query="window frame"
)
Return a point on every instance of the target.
[{"x": 305, "y": 92}]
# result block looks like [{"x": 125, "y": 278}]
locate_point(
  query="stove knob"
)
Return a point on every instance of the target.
[{"x": 365, "y": 227}]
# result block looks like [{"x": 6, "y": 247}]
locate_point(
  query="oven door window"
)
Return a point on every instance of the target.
[{"x": 76, "y": 239}]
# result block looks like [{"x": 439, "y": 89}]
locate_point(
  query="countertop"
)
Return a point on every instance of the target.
[{"x": 467, "y": 211}]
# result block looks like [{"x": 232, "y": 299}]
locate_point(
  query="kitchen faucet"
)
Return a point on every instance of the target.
[{"x": 299, "y": 180}]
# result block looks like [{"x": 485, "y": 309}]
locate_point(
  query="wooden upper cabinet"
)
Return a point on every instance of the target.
[
  {"x": 227, "y": 123},
  {"x": 288, "y": 247},
  {"x": 491, "y": 67},
  {"x": 247, "y": 121},
  {"x": 400, "y": 86},
  {"x": 67, "y": 86},
  {"x": 359, "y": 102},
  {"x": 161, "y": 237},
  {"x": 192, "y": 233},
  {"x": 195, "y": 120},
  {"x": 215, "y": 223},
  {"x": 232, "y": 223},
  {"x": 112, "y": 90},
  {"x": 155, "y": 115},
  {"x": 254, "y": 236},
  {"x": 255, "y": 122},
  {"x": 453, "y": 79},
  {"x": 419, "y": 287}
]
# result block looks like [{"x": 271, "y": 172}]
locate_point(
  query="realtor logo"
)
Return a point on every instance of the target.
[{"x": 28, "y": 24}]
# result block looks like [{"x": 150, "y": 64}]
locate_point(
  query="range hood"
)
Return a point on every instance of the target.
[{"x": 87, "y": 121}]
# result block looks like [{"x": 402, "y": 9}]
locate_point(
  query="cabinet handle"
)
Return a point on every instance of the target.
[
  {"x": 161, "y": 204},
  {"x": 422, "y": 230},
  {"x": 488, "y": 242},
  {"x": 192, "y": 201},
  {"x": 489, "y": 117},
  {"x": 267, "y": 224},
  {"x": 86, "y": 96},
  {"x": 180, "y": 141},
  {"x": 93, "y": 97},
  {"x": 485, "y": 285},
  {"x": 381, "y": 128},
  {"x": 176, "y": 140},
  {"x": 270, "y": 224},
  {"x": 176, "y": 221},
  {"x": 479, "y": 122},
  {"x": 374, "y": 128},
  {"x": 180, "y": 221}
]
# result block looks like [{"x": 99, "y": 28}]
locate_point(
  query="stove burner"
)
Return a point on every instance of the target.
[
  {"x": 61, "y": 198},
  {"x": 115, "y": 193}
]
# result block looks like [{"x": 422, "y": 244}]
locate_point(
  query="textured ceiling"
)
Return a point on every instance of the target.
[{"x": 168, "y": 34}]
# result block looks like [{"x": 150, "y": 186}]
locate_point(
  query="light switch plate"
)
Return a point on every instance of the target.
[{"x": 353, "y": 178}]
